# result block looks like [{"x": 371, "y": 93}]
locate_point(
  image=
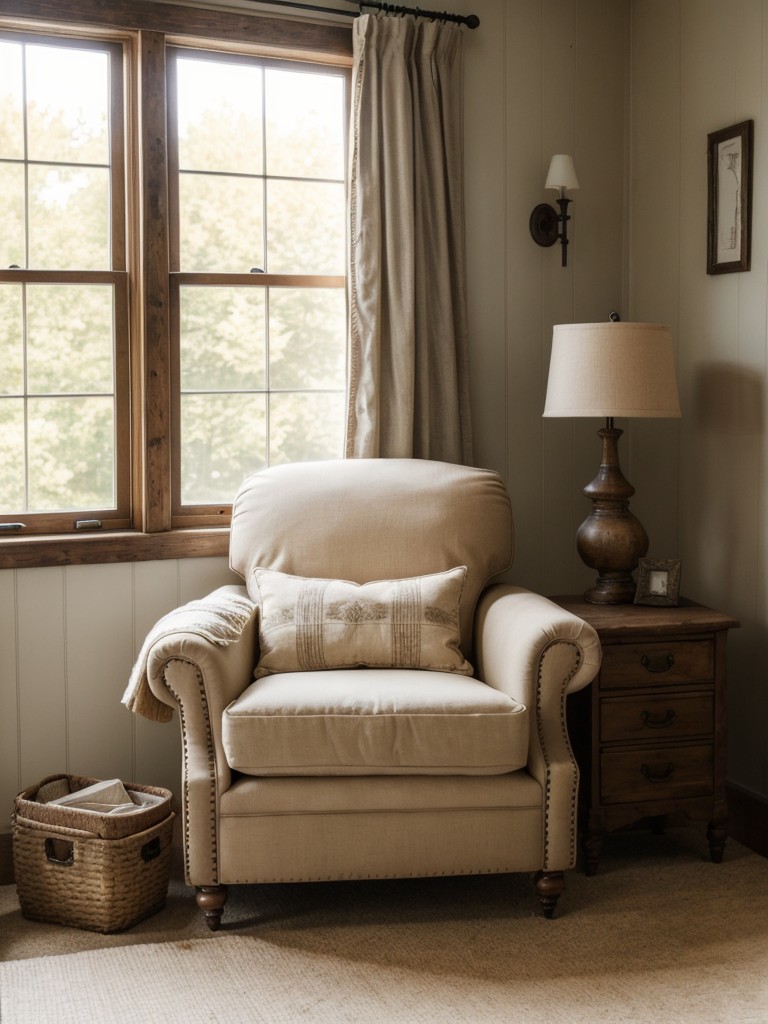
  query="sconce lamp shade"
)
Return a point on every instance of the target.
[
  {"x": 612, "y": 369},
  {"x": 562, "y": 173}
]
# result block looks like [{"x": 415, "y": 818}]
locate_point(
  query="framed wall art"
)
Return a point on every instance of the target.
[
  {"x": 729, "y": 178},
  {"x": 658, "y": 581}
]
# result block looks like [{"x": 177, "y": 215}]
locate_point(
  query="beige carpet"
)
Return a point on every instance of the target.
[{"x": 659, "y": 936}]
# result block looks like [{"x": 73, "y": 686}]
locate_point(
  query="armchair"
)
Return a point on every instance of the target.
[{"x": 369, "y": 704}]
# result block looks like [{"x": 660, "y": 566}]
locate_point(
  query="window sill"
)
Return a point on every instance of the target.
[{"x": 118, "y": 546}]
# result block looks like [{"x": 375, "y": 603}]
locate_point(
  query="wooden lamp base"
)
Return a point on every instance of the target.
[{"x": 611, "y": 539}]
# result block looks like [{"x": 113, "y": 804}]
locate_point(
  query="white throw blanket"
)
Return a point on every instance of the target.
[{"x": 220, "y": 622}]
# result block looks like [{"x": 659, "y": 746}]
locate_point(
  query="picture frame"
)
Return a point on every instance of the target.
[
  {"x": 729, "y": 191},
  {"x": 658, "y": 581}
]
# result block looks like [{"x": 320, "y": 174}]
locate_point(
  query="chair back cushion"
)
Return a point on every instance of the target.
[{"x": 374, "y": 519}]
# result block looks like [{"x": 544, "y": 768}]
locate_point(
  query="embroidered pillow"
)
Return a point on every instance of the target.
[{"x": 312, "y": 624}]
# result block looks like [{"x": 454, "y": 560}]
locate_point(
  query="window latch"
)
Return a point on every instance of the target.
[
  {"x": 11, "y": 527},
  {"x": 87, "y": 524}
]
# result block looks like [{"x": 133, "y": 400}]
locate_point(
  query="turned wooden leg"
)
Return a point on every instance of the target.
[
  {"x": 717, "y": 834},
  {"x": 211, "y": 900},
  {"x": 592, "y": 847},
  {"x": 592, "y": 842},
  {"x": 549, "y": 885}
]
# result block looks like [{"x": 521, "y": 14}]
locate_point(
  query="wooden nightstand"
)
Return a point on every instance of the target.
[{"x": 649, "y": 733}]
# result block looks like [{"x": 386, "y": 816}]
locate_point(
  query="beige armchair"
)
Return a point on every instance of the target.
[{"x": 367, "y": 705}]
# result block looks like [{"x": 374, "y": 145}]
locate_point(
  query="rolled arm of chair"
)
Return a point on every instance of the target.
[
  {"x": 223, "y": 646},
  {"x": 537, "y": 653},
  {"x": 200, "y": 676},
  {"x": 515, "y": 631}
]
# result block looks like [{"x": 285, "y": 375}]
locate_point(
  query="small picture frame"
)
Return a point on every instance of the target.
[
  {"x": 729, "y": 219},
  {"x": 658, "y": 581}
]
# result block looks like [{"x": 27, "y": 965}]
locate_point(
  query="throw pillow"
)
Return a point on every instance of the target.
[{"x": 313, "y": 624}]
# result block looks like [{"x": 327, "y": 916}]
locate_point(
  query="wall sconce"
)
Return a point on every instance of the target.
[{"x": 545, "y": 222}]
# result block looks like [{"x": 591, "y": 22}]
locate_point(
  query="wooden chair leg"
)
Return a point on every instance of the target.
[
  {"x": 549, "y": 885},
  {"x": 211, "y": 899},
  {"x": 717, "y": 835}
]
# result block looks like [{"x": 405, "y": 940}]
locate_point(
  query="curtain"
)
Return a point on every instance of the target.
[{"x": 408, "y": 351}]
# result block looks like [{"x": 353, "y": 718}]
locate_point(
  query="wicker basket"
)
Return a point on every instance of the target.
[
  {"x": 31, "y": 804},
  {"x": 76, "y": 877}
]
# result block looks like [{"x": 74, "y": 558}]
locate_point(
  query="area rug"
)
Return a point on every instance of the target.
[{"x": 659, "y": 936}]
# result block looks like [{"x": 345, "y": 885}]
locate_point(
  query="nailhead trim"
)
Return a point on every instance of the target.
[
  {"x": 211, "y": 767},
  {"x": 564, "y": 729}
]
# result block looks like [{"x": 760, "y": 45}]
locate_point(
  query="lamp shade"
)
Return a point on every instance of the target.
[
  {"x": 562, "y": 173},
  {"x": 612, "y": 369}
]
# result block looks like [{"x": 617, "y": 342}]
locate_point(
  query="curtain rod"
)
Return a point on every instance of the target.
[{"x": 470, "y": 20}]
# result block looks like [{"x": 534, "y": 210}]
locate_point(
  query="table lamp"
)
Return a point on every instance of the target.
[{"x": 611, "y": 369}]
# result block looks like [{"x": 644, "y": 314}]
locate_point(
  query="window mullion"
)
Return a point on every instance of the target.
[
  {"x": 25, "y": 393},
  {"x": 155, "y": 511}
]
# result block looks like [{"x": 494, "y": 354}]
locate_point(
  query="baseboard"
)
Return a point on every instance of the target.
[
  {"x": 748, "y": 818},
  {"x": 6, "y": 859}
]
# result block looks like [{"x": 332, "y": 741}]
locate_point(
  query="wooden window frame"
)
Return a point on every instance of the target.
[{"x": 149, "y": 27}]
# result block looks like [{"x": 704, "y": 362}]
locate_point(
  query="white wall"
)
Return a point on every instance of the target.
[
  {"x": 698, "y": 66},
  {"x": 68, "y": 639},
  {"x": 541, "y": 76}
]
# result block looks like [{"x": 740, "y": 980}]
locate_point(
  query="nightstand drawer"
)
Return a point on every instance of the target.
[
  {"x": 677, "y": 716},
  {"x": 651, "y": 664},
  {"x": 659, "y": 773}
]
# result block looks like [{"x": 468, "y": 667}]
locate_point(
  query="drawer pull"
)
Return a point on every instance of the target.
[
  {"x": 657, "y": 775},
  {"x": 661, "y": 662},
  {"x": 652, "y": 721}
]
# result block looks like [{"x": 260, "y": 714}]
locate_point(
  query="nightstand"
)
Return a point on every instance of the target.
[{"x": 649, "y": 733}]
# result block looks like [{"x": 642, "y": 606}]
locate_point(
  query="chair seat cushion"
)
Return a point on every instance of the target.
[{"x": 374, "y": 722}]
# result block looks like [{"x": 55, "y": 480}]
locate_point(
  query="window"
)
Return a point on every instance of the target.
[
  {"x": 257, "y": 161},
  {"x": 63, "y": 286},
  {"x": 172, "y": 289}
]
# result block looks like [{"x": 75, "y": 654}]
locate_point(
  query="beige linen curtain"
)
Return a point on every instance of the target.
[{"x": 408, "y": 379}]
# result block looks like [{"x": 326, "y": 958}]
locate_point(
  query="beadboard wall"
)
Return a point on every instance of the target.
[
  {"x": 698, "y": 66},
  {"x": 68, "y": 639},
  {"x": 631, "y": 88}
]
